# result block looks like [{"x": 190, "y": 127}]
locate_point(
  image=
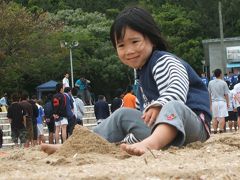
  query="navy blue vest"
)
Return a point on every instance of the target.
[{"x": 197, "y": 97}]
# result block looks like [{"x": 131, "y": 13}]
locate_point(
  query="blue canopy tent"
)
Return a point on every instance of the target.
[{"x": 47, "y": 86}]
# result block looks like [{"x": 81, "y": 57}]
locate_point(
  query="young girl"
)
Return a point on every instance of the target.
[{"x": 173, "y": 100}]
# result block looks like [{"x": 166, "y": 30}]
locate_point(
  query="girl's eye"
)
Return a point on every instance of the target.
[
  {"x": 136, "y": 41},
  {"x": 120, "y": 45}
]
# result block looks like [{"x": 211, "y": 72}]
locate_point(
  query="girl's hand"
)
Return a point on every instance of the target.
[{"x": 149, "y": 117}]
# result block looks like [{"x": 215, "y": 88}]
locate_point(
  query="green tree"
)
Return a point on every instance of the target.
[
  {"x": 182, "y": 31},
  {"x": 24, "y": 48},
  {"x": 15, "y": 26}
]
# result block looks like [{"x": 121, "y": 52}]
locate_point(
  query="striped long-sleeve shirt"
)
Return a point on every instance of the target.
[{"x": 165, "y": 78}]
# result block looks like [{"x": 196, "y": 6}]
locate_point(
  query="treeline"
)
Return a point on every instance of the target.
[{"x": 31, "y": 31}]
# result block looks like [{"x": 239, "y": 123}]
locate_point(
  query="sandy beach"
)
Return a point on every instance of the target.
[{"x": 87, "y": 156}]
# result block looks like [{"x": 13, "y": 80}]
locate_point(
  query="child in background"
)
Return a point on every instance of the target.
[
  {"x": 79, "y": 108},
  {"x": 40, "y": 117},
  {"x": 232, "y": 112},
  {"x": 236, "y": 91},
  {"x": 48, "y": 112}
]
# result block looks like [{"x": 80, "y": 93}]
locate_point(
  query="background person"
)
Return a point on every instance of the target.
[
  {"x": 48, "y": 112},
  {"x": 28, "y": 108},
  {"x": 204, "y": 78},
  {"x": 40, "y": 117},
  {"x": 60, "y": 113},
  {"x": 236, "y": 91},
  {"x": 70, "y": 111},
  {"x": 4, "y": 103},
  {"x": 117, "y": 101},
  {"x": 218, "y": 91},
  {"x": 34, "y": 118},
  {"x": 232, "y": 110},
  {"x": 17, "y": 119},
  {"x": 83, "y": 85},
  {"x": 79, "y": 108},
  {"x": 65, "y": 81},
  {"x": 101, "y": 109},
  {"x": 129, "y": 100}
]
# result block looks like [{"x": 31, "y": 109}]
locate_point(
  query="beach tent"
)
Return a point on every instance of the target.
[{"x": 49, "y": 86}]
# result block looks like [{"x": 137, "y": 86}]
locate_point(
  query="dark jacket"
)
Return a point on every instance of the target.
[{"x": 101, "y": 109}]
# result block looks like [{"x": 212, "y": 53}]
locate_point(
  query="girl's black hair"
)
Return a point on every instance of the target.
[{"x": 141, "y": 21}]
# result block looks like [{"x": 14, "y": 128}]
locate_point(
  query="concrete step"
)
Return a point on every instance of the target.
[
  {"x": 3, "y": 114},
  {"x": 7, "y": 140},
  {"x": 89, "y": 114},
  {"x": 6, "y": 126},
  {"x": 4, "y": 120},
  {"x": 90, "y": 126},
  {"x": 7, "y": 132},
  {"x": 8, "y": 145},
  {"x": 45, "y": 130},
  {"x": 89, "y": 120},
  {"x": 89, "y": 108}
]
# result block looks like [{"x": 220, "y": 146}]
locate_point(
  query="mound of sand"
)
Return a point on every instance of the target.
[{"x": 84, "y": 141}]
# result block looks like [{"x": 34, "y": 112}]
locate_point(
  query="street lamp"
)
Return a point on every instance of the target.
[{"x": 70, "y": 46}]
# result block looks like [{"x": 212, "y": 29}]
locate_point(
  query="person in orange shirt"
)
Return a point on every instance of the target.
[{"x": 129, "y": 100}]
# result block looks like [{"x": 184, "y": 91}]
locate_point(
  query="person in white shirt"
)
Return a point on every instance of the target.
[
  {"x": 219, "y": 102},
  {"x": 65, "y": 81},
  {"x": 236, "y": 91},
  {"x": 232, "y": 111},
  {"x": 78, "y": 105}
]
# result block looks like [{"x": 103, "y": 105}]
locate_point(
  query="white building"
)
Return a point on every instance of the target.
[{"x": 213, "y": 58}]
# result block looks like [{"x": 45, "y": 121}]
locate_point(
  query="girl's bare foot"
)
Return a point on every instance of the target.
[
  {"x": 137, "y": 149},
  {"x": 50, "y": 148},
  {"x": 162, "y": 136}
]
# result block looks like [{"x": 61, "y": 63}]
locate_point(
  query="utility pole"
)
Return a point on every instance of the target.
[{"x": 221, "y": 37}]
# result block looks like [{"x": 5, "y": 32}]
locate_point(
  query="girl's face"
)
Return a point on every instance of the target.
[{"x": 134, "y": 49}]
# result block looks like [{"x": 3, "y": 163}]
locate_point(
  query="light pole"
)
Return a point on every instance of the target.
[
  {"x": 70, "y": 46},
  {"x": 203, "y": 65}
]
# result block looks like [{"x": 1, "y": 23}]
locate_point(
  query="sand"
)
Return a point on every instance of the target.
[{"x": 87, "y": 156}]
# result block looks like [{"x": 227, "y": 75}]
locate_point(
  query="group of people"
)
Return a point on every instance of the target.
[
  {"x": 225, "y": 101},
  {"x": 125, "y": 99},
  {"x": 26, "y": 118},
  {"x": 63, "y": 111}
]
